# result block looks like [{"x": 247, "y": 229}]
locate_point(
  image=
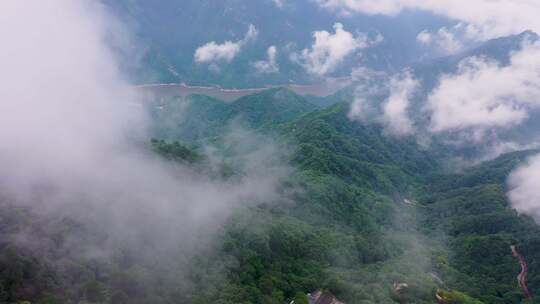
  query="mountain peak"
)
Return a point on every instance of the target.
[{"x": 529, "y": 34}]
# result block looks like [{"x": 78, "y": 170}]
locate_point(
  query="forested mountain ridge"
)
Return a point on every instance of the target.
[
  {"x": 199, "y": 117},
  {"x": 338, "y": 158},
  {"x": 364, "y": 212},
  {"x": 472, "y": 210}
]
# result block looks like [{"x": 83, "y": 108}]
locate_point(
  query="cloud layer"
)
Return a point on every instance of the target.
[
  {"x": 483, "y": 94},
  {"x": 72, "y": 128},
  {"x": 490, "y": 18}
]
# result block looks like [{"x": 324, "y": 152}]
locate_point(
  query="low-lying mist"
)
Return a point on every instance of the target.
[{"x": 73, "y": 142}]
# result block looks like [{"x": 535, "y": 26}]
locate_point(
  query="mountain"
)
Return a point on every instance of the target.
[
  {"x": 499, "y": 49},
  {"x": 368, "y": 217},
  {"x": 472, "y": 210},
  {"x": 451, "y": 230},
  {"x": 199, "y": 117},
  {"x": 329, "y": 142},
  {"x": 170, "y": 31},
  {"x": 357, "y": 178},
  {"x": 373, "y": 90},
  {"x": 428, "y": 72}
]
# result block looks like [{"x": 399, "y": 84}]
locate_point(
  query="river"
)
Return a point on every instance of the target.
[{"x": 159, "y": 91}]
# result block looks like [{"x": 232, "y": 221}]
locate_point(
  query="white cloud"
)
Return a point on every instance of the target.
[
  {"x": 270, "y": 65},
  {"x": 384, "y": 7},
  {"x": 329, "y": 50},
  {"x": 425, "y": 37},
  {"x": 226, "y": 51},
  {"x": 251, "y": 34},
  {"x": 214, "y": 52},
  {"x": 483, "y": 94},
  {"x": 491, "y": 18},
  {"x": 449, "y": 40},
  {"x": 395, "y": 116},
  {"x": 362, "y": 109},
  {"x": 279, "y": 3},
  {"x": 392, "y": 113},
  {"x": 524, "y": 184}
]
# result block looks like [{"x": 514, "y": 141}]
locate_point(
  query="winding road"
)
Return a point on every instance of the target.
[{"x": 522, "y": 277}]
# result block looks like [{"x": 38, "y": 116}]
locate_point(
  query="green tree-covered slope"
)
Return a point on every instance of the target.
[
  {"x": 369, "y": 217},
  {"x": 199, "y": 117}
]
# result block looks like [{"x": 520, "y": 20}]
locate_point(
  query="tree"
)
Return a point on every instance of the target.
[
  {"x": 300, "y": 298},
  {"x": 94, "y": 292}
]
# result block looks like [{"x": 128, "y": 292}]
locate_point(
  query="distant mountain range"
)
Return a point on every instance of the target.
[{"x": 171, "y": 31}]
